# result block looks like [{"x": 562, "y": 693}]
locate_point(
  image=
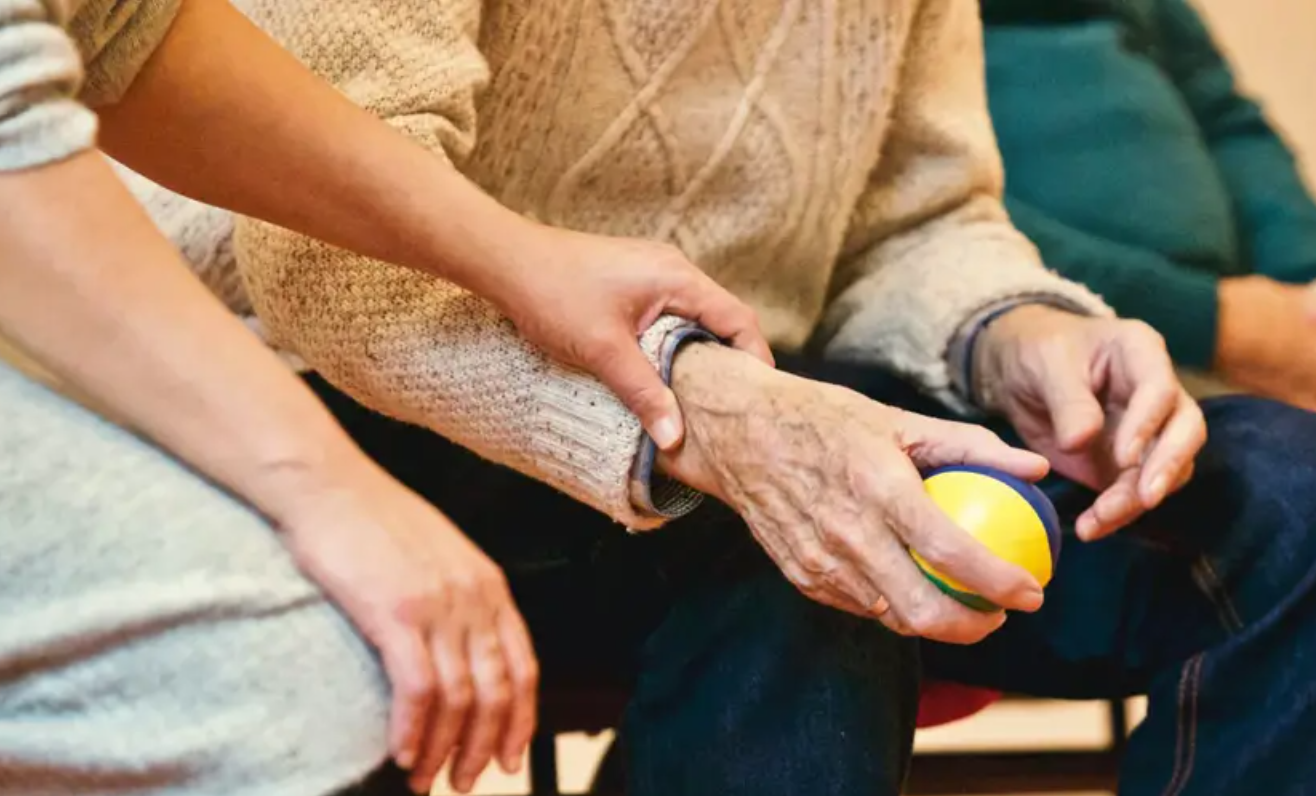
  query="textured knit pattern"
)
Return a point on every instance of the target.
[
  {"x": 832, "y": 163},
  {"x": 156, "y": 638},
  {"x": 41, "y": 70}
]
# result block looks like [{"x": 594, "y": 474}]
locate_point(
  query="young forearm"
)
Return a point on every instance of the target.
[
  {"x": 261, "y": 135},
  {"x": 95, "y": 295}
]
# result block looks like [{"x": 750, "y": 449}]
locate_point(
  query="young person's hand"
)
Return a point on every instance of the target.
[
  {"x": 454, "y": 645},
  {"x": 585, "y": 300}
]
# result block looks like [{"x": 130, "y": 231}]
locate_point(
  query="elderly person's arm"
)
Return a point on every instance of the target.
[
  {"x": 828, "y": 480},
  {"x": 930, "y": 247}
]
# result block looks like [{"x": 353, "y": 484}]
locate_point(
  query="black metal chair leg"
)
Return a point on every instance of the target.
[
  {"x": 1119, "y": 726},
  {"x": 543, "y": 765}
]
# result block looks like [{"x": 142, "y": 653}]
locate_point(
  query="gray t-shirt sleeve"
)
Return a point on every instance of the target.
[
  {"x": 44, "y": 91},
  {"x": 41, "y": 119}
]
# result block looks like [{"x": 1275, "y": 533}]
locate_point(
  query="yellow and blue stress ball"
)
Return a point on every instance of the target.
[{"x": 1012, "y": 517}]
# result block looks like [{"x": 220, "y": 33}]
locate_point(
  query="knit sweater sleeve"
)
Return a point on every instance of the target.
[
  {"x": 41, "y": 120},
  {"x": 1276, "y": 212},
  {"x": 399, "y": 341},
  {"x": 929, "y": 244}
]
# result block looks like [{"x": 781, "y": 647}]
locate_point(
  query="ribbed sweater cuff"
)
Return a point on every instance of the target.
[
  {"x": 960, "y": 357},
  {"x": 651, "y": 492},
  {"x": 47, "y": 132},
  {"x": 595, "y": 450}
]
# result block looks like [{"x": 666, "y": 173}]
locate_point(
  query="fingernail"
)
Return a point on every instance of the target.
[
  {"x": 665, "y": 433},
  {"x": 406, "y": 759},
  {"x": 1085, "y": 527},
  {"x": 1033, "y": 599}
]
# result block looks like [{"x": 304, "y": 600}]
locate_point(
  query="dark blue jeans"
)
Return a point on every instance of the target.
[{"x": 742, "y": 686}]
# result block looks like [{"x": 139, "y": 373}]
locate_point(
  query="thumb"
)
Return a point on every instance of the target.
[
  {"x": 944, "y": 442},
  {"x": 1076, "y": 415},
  {"x": 632, "y": 377}
]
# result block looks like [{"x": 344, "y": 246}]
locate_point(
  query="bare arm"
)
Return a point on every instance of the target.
[
  {"x": 222, "y": 114},
  {"x": 90, "y": 289},
  {"x": 427, "y": 352},
  {"x": 218, "y": 92}
]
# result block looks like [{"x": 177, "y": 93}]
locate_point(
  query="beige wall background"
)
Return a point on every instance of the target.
[{"x": 1272, "y": 43}]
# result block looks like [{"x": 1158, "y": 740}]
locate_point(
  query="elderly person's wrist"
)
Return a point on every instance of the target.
[
  {"x": 720, "y": 390},
  {"x": 974, "y": 354}
]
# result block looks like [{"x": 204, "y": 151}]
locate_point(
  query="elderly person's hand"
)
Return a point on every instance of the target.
[
  {"x": 454, "y": 645},
  {"x": 829, "y": 483},
  {"x": 1100, "y": 399}
]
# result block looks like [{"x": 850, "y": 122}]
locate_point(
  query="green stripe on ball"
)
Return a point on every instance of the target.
[{"x": 975, "y": 601}]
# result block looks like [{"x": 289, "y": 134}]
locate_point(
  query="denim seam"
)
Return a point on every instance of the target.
[
  {"x": 1206, "y": 578},
  {"x": 1185, "y": 754}
]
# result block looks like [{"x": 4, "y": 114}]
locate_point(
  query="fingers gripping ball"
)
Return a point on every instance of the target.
[{"x": 1012, "y": 517}]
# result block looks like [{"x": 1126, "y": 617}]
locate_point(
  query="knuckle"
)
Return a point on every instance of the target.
[
  {"x": 464, "y": 584},
  {"x": 598, "y": 345},
  {"x": 924, "y": 618},
  {"x": 814, "y": 562},
  {"x": 458, "y": 695},
  {"x": 497, "y": 697},
  {"x": 807, "y": 585},
  {"x": 527, "y": 680},
  {"x": 492, "y": 580},
  {"x": 421, "y": 688},
  {"x": 419, "y": 602},
  {"x": 889, "y": 493},
  {"x": 942, "y": 554},
  {"x": 1143, "y": 332}
]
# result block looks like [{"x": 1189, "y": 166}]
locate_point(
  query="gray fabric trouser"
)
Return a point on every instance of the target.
[{"x": 155, "y": 636}]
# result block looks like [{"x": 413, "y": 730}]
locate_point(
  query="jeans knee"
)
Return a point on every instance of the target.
[
  {"x": 1260, "y": 455},
  {"x": 1262, "y": 433},
  {"x": 1251, "y": 509}
]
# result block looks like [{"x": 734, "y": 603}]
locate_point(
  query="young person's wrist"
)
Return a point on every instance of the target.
[
  {"x": 315, "y": 469},
  {"x": 478, "y": 243}
]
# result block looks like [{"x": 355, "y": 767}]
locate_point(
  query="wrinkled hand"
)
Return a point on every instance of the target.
[
  {"x": 587, "y": 299},
  {"x": 454, "y": 646},
  {"x": 1100, "y": 399},
  {"x": 829, "y": 483},
  {"x": 1263, "y": 338}
]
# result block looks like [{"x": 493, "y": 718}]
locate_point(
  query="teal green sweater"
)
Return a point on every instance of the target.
[{"x": 1135, "y": 165}]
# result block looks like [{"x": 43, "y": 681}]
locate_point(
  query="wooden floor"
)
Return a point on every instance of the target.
[{"x": 1024, "y": 726}]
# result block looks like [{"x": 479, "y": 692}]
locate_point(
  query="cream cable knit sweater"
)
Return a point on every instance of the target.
[{"x": 830, "y": 162}]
